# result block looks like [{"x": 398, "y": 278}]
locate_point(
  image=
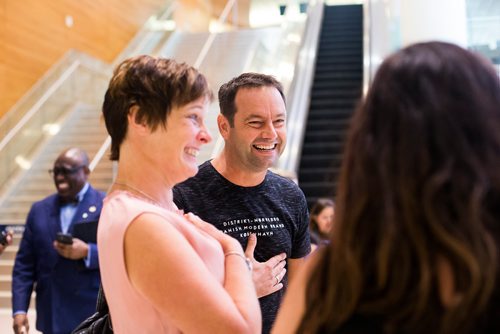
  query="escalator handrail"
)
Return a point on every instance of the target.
[{"x": 300, "y": 90}]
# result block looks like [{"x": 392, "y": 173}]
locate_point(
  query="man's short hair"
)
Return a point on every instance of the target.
[{"x": 227, "y": 92}]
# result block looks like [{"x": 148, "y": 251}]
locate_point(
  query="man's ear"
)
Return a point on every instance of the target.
[
  {"x": 132, "y": 120},
  {"x": 223, "y": 124}
]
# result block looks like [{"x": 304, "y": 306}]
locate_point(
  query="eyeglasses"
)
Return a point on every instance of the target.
[{"x": 64, "y": 171}]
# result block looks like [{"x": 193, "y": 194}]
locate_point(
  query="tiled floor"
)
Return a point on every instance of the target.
[{"x": 6, "y": 322}]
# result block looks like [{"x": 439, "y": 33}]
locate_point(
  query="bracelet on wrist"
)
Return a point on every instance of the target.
[{"x": 246, "y": 259}]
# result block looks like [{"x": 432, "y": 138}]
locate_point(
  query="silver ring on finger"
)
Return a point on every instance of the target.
[{"x": 277, "y": 280}]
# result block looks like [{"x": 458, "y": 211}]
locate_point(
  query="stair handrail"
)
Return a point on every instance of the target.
[
  {"x": 199, "y": 60},
  {"x": 300, "y": 90},
  {"x": 45, "y": 90},
  {"x": 29, "y": 104},
  {"x": 254, "y": 65},
  {"x": 39, "y": 102},
  {"x": 43, "y": 105},
  {"x": 24, "y": 105},
  {"x": 141, "y": 40},
  {"x": 211, "y": 37}
]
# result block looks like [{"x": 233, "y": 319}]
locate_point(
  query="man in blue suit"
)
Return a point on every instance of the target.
[{"x": 65, "y": 276}]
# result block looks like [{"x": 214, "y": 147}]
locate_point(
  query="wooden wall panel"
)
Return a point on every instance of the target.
[{"x": 33, "y": 36}]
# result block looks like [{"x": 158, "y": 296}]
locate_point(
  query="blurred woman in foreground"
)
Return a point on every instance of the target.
[{"x": 415, "y": 244}]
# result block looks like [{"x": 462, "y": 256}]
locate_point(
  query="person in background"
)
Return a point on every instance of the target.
[
  {"x": 162, "y": 271},
  {"x": 65, "y": 276},
  {"x": 321, "y": 221},
  {"x": 238, "y": 194},
  {"x": 416, "y": 242}
]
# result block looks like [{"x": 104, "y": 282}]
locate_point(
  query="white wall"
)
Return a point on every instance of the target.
[{"x": 392, "y": 24}]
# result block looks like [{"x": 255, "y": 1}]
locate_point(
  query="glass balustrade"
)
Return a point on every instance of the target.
[{"x": 78, "y": 78}]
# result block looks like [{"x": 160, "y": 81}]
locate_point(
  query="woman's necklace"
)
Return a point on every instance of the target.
[{"x": 142, "y": 193}]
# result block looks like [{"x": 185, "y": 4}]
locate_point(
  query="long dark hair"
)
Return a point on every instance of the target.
[{"x": 419, "y": 187}]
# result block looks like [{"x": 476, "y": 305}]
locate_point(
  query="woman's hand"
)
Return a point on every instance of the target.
[{"x": 228, "y": 243}]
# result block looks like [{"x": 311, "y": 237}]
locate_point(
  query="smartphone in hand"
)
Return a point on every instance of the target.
[{"x": 64, "y": 238}]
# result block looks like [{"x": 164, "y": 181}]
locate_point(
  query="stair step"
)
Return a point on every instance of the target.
[
  {"x": 323, "y": 174},
  {"x": 324, "y": 136},
  {"x": 336, "y": 93},
  {"x": 318, "y": 189},
  {"x": 333, "y": 85},
  {"x": 10, "y": 252},
  {"x": 322, "y": 148},
  {"x": 329, "y": 41},
  {"x": 349, "y": 76},
  {"x": 319, "y": 124},
  {"x": 332, "y": 40},
  {"x": 347, "y": 101},
  {"x": 6, "y": 267},
  {"x": 334, "y": 67},
  {"x": 5, "y": 282},
  {"x": 327, "y": 114},
  {"x": 10, "y": 221},
  {"x": 344, "y": 104}
]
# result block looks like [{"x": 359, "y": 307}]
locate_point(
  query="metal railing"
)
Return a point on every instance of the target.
[
  {"x": 77, "y": 77},
  {"x": 300, "y": 89},
  {"x": 36, "y": 117}
]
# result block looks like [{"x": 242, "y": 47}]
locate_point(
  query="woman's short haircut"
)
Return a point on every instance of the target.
[{"x": 155, "y": 85}]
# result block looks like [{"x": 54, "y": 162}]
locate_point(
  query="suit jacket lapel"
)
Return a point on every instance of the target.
[{"x": 82, "y": 214}]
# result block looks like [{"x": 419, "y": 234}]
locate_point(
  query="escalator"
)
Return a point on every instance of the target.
[{"x": 337, "y": 86}]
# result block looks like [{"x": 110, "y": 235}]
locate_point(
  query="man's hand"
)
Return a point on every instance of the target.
[
  {"x": 76, "y": 251},
  {"x": 267, "y": 275},
  {"x": 20, "y": 324}
]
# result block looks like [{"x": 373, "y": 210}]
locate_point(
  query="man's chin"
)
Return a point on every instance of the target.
[
  {"x": 263, "y": 165},
  {"x": 64, "y": 195}
]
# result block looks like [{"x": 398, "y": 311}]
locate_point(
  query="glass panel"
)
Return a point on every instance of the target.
[
  {"x": 75, "y": 79},
  {"x": 483, "y": 28}
]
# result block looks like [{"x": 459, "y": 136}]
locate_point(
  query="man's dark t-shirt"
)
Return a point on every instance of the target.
[{"x": 275, "y": 210}]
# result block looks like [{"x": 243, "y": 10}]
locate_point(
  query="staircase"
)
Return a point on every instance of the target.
[
  {"x": 337, "y": 87},
  {"x": 80, "y": 128}
]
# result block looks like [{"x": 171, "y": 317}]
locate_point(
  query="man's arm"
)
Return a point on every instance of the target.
[
  {"x": 301, "y": 247},
  {"x": 92, "y": 259}
]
